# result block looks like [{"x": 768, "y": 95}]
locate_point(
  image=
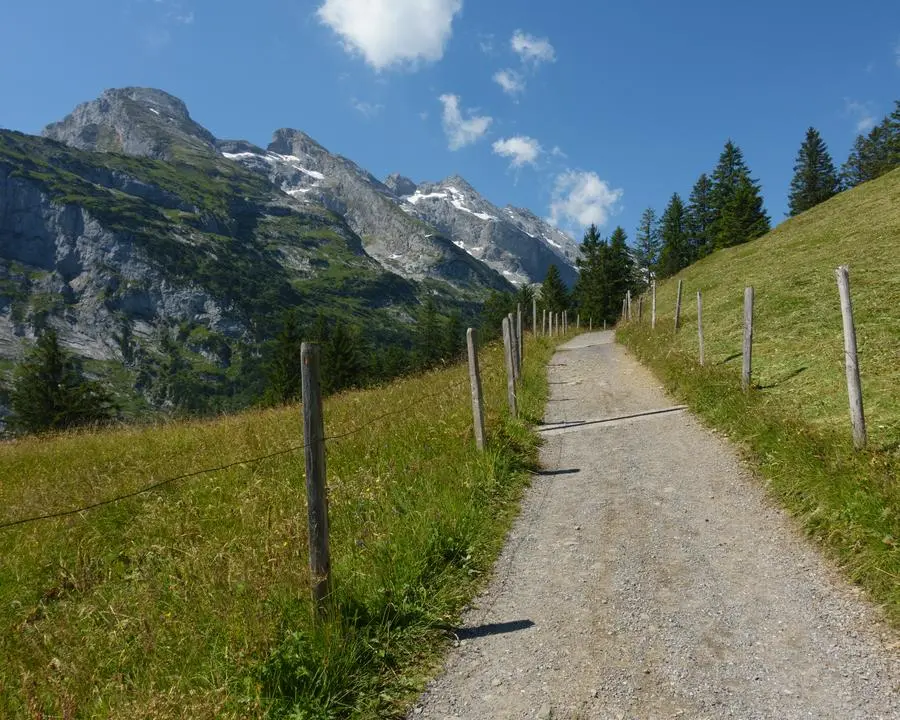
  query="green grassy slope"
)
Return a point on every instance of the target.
[
  {"x": 192, "y": 601},
  {"x": 795, "y": 423}
]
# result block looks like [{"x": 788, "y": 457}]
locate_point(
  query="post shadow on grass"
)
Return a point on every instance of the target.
[
  {"x": 735, "y": 356},
  {"x": 480, "y": 631},
  {"x": 551, "y": 473},
  {"x": 780, "y": 381}
]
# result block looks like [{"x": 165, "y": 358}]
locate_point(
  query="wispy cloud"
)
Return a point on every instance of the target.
[
  {"x": 366, "y": 109},
  {"x": 511, "y": 81},
  {"x": 532, "y": 49},
  {"x": 521, "y": 150},
  {"x": 391, "y": 33},
  {"x": 581, "y": 198},
  {"x": 462, "y": 130},
  {"x": 158, "y": 20},
  {"x": 862, "y": 113}
]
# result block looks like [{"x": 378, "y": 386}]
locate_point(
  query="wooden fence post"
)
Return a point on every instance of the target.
[
  {"x": 534, "y": 327},
  {"x": 520, "y": 340},
  {"x": 508, "y": 353},
  {"x": 604, "y": 323},
  {"x": 628, "y": 306},
  {"x": 678, "y": 307},
  {"x": 316, "y": 492},
  {"x": 854, "y": 388},
  {"x": 700, "y": 325},
  {"x": 475, "y": 382},
  {"x": 515, "y": 347},
  {"x": 578, "y": 321},
  {"x": 747, "y": 370},
  {"x": 653, "y": 309},
  {"x": 641, "y": 309},
  {"x": 544, "y": 324},
  {"x": 591, "y": 323}
]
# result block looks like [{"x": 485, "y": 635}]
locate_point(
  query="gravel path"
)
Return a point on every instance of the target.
[{"x": 649, "y": 577}]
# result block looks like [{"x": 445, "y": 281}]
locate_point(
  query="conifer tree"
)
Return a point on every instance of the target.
[
  {"x": 619, "y": 272},
  {"x": 50, "y": 392},
  {"x": 284, "y": 367},
  {"x": 701, "y": 216},
  {"x": 673, "y": 232},
  {"x": 342, "y": 362},
  {"x": 647, "y": 244},
  {"x": 875, "y": 153},
  {"x": 736, "y": 200},
  {"x": 815, "y": 178},
  {"x": 428, "y": 341},
  {"x": 554, "y": 294},
  {"x": 592, "y": 288},
  {"x": 455, "y": 336}
]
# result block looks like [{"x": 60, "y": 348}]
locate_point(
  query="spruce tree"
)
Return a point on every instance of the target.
[
  {"x": 50, "y": 392},
  {"x": 701, "y": 216},
  {"x": 815, "y": 178},
  {"x": 592, "y": 287},
  {"x": 647, "y": 244},
  {"x": 428, "y": 341},
  {"x": 673, "y": 232},
  {"x": 875, "y": 153},
  {"x": 284, "y": 367},
  {"x": 736, "y": 200},
  {"x": 554, "y": 294},
  {"x": 619, "y": 272},
  {"x": 342, "y": 362}
]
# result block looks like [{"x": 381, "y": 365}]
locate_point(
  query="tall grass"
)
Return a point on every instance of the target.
[
  {"x": 795, "y": 424},
  {"x": 192, "y": 601}
]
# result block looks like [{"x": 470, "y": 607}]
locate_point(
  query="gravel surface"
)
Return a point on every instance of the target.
[{"x": 649, "y": 577}]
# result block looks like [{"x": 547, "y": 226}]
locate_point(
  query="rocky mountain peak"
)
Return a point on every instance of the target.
[
  {"x": 287, "y": 141},
  {"x": 400, "y": 185},
  {"x": 134, "y": 121}
]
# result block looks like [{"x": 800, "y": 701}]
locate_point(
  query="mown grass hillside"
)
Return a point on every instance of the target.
[
  {"x": 192, "y": 600},
  {"x": 795, "y": 422}
]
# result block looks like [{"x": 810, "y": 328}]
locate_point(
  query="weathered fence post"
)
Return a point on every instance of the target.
[
  {"x": 534, "y": 327},
  {"x": 747, "y": 370},
  {"x": 475, "y": 382},
  {"x": 604, "y": 323},
  {"x": 591, "y": 323},
  {"x": 700, "y": 325},
  {"x": 678, "y": 307},
  {"x": 544, "y": 323},
  {"x": 641, "y": 309},
  {"x": 854, "y": 388},
  {"x": 520, "y": 340},
  {"x": 316, "y": 492},
  {"x": 653, "y": 308},
  {"x": 628, "y": 306},
  {"x": 508, "y": 353},
  {"x": 578, "y": 321},
  {"x": 515, "y": 346}
]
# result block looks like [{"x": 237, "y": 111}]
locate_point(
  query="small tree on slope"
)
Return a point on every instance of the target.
[
  {"x": 50, "y": 393},
  {"x": 815, "y": 178}
]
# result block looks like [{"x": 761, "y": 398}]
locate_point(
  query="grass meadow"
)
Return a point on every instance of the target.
[{"x": 192, "y": 600}]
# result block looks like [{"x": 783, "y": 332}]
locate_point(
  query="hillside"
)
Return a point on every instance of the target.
[
  {"x": 794, "y": 425},
  {"x": 798, "y": 342},
  {"x": 192, "y": 600}
]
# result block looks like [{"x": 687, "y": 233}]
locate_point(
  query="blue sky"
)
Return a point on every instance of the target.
[{"x": 605, "y": 108}]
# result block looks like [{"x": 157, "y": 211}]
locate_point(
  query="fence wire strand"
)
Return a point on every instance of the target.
[{"x": 247, "y": 461}]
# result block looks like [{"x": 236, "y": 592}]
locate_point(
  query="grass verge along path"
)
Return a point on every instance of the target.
[{"x": 192, "y": 600}]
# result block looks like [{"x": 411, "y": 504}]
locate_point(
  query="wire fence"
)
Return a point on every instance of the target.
[{"x": 246, "y": 461}]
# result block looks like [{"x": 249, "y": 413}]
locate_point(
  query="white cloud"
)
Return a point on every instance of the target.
[
  {"x": 862, "y": 112},
  {"x": 581, "y": 198},
  {"x": 462, "y": 131},
  {"x": 366, "y": 109},
  {"x": 557, "y": 152},
  {"x": 392, "y": 32},
  {"x": 521, "y": 150},
  {"x": 511, "y": 81},
  {"x": 486, "y": 43},
  {"x": 531, "y": 48}
]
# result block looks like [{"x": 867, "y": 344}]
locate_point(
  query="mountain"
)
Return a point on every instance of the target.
[
  {"x": 302, "y": 168},
  {"x": 515, "y": 242},
  {"x": 165, "y": 257}
]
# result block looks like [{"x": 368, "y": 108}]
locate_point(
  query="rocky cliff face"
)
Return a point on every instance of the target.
[
  {"x": 134, "y": 121},
  {"x": 516, "y": 243}
]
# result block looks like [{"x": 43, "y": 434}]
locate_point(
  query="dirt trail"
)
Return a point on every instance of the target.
[{"x": 649, "y": 577}]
